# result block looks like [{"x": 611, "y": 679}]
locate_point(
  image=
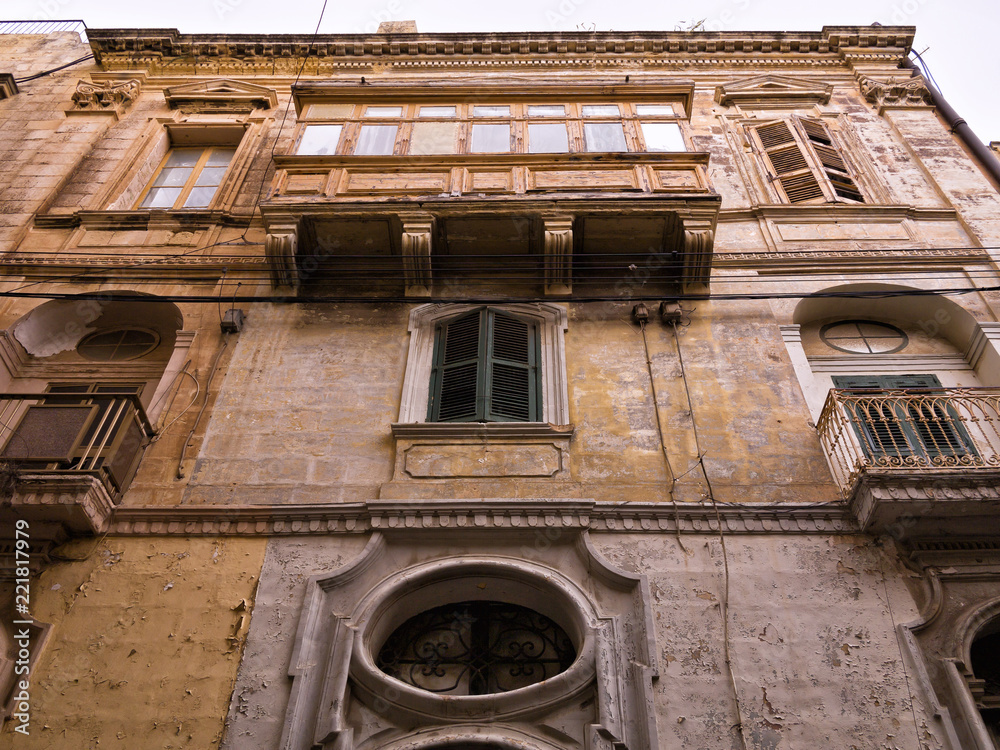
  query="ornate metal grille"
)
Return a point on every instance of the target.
[{"x": 476, "y": 648}]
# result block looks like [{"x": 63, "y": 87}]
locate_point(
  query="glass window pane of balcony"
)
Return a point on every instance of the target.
[
  {"x": 490, "y": 138},
  {"x": 491, "y": 111},
  {"x": 438, "y": 112},
  {"x": 319, "y": 140},
  {"x": 376, "y": 140},
  {"x": 604, "y": 136},
  {"x": 434, "y": 138},
  {"x": 663, "y": 136},
  {"x": 548, "y": 138},
  {"x": 600, "y": 110}
]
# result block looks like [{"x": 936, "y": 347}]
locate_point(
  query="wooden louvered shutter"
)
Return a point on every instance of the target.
[
  {"x": 934, "y": 425},
  {"x": 882, "y": 428},
  {"x": 512, "y": 369},
  {"x": 834, "y": 166},
  {"x": 790, "y": 167},
  {"x": 457, "y": 387}
]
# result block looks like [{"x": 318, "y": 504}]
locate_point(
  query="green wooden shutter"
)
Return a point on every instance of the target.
[
  {"x": 929, "y": 430},
  {"x": 457, "y": 388},
  {"x": 936, "y": 426},
  {"x": 791, "y": 169},
  {"x": 881, "y": 427},
  {"x": 833, "y": 163},
  {"x": 512, "y": 369}
]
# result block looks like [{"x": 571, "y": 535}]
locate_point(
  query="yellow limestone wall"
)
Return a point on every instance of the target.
[{"x": 145, "y": 644}]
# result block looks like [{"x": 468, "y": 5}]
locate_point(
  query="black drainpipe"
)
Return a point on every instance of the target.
[{"x": 986, "y": 158}]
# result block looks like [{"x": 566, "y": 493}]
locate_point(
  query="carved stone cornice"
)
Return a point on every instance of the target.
[
  {"x": 486, "y": 514},
  {"x": 62, "y": 505},
  {"x": 893, "y": 93},
  {"x": 167, "y": 49},
  {"x": 112, "y": 97}
]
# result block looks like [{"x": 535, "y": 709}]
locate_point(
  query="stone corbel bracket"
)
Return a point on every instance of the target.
[
  {"x": 893, "y": 94},
  {"x": 111, "y": 97},
  {"x": 280, "y": 247},
  {"x": 697, "y": 246},
  {"x": 415, "y": 244},
  {"x": 558, "y": 246}
]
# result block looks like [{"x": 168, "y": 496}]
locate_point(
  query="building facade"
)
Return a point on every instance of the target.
[{"x": 598, "y": 391}]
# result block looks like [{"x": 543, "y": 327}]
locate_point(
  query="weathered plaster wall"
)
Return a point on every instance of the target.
[
  {"x": 310, "y": 394},
  {"x": 145, "y": 641},
  {"x": 812, "y": 641}
]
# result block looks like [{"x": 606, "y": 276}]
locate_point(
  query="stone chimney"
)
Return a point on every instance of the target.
[{"x": 397, "y": 27}]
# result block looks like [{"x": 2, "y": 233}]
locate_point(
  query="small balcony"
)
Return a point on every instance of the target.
[
  {"x": 68, "y": 455},
  {"x": 917, "y": 462}
]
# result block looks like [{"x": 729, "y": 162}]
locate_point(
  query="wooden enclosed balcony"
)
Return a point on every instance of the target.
[
  {"x": 568, "y": 224},
  {"x": 68, "y": 456},
  {"x": 917, "y": 462}
]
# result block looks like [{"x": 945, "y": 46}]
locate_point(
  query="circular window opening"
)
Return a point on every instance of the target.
[
  {"x": 118, "y": 344},
  {"x": 476, "y": 648},
  {"x": 863, "y": 337}
]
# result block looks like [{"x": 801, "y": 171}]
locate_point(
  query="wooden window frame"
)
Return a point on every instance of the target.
[
  {"x": 809, "y": 166},
  {"x": 190, "y": 183},
  {"x": 518, "y": 119}
]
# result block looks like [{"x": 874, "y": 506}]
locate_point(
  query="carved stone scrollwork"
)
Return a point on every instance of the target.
[
  {"x": 280, "y": 247},
  {"x": 698, "y": 243},
  {"x": 912, "y": 92},
  {"x": 558, "y": 247},
  {"x": 415, "y": 245},
  {"x": 105, "y": 97}
]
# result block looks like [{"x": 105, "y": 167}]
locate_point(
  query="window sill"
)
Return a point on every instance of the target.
[{"x": 489, "y": 430}]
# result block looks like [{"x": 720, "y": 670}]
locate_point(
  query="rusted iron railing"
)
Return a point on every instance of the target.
[
  {"x": 101, "y": 432},
  {"x": 912, "y": 430}
]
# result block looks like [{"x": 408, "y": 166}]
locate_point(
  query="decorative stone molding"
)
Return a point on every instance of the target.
[
  {"x": 432, "y": 515},
  {"x": 774, "y": 91},
  {"x": 891, "y": 93},
  {"x": 481, "y": 449},
  {"x": 558, "y": 249},
  {"x": 945, "y": 503},
  {"x": 112, "y": 97},
  {"x": 220, "y": 95}
]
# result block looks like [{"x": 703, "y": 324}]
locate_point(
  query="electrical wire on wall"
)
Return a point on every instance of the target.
[
  {"x": 724, "y": 601},
  {"x": 659, "y": 429}
]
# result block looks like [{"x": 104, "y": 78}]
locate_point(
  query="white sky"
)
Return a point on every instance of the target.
[{"x": 959, "y": 36}]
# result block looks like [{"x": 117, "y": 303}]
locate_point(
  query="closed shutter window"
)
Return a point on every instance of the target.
[
  {"x": 486, "y": 369},
  {"x": 922, "y": 425},
  {"x": 804, "y": 162}
]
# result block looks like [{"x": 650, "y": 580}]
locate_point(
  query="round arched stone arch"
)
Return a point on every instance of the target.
[{"x": 927, "y": 316}]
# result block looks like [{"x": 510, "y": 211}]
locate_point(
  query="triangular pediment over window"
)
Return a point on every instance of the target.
[
  {"x": 773, "y": 90},
  {"x": 220, "y": 94}
]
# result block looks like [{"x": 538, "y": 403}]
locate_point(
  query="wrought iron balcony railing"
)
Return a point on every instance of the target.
[
  {"x": 99, "y": 431},
  {"x": 910, "y": 431}
]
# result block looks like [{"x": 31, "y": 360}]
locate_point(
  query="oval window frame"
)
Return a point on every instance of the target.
[
  {"x": 442, "y": 583},
  {"x": 905, "y": 339},
  {"x": 118, "y": 329}
]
